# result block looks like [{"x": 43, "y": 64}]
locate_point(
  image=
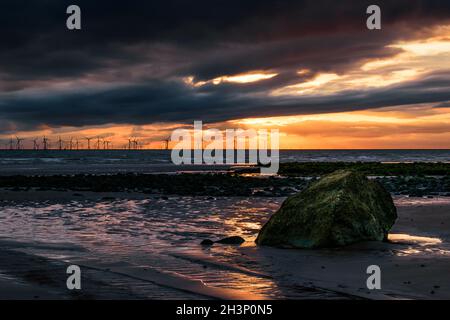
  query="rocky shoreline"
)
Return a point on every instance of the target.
[
  {"x": 416, "y": 180},
  {"x": 368, "y": 168}
]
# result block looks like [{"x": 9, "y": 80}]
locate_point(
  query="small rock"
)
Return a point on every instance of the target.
[
  {"x": 231, "y": 240},
  {"x": 207, "y": 242}
]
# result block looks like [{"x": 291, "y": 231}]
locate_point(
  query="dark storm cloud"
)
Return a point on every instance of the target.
[
  {"x": 232, "y": 36},
  {"x": 160, "y": 102},
  {"x": 152, "y": 44}
]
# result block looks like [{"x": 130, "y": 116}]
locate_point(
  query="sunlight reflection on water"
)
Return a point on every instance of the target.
[
  {"x": 414, "y": 239},
  {"x": 146, "y": 232},
  {"x": 418, "y": 245},
  {"x": 152, "y": 231}
]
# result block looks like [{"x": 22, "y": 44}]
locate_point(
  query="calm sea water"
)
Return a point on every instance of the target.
[
  {"x": 83, "y": 157},
  {"x": 13, "y": 162}
]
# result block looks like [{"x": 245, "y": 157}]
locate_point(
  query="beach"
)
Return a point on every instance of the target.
[
  {"x": 134, "y": 224},
  {"x": 138, "y": 246}
]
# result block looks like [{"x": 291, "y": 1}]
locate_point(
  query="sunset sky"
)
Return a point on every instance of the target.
[{"x": 308, "y": 68}]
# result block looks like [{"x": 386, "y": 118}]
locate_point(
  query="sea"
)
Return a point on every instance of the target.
[{"x": 148, "y": 161}]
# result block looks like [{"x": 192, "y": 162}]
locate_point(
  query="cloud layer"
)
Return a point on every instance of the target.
[{"x": 130, "y": 61}]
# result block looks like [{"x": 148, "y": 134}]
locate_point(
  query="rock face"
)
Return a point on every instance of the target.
[{"x": 342, "y": 208}]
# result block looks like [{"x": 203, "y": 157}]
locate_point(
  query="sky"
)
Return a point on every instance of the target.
[{"x": 310, "y": 69}]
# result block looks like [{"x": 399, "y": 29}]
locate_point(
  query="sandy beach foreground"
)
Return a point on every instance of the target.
[{"x": 414, "y": 264}]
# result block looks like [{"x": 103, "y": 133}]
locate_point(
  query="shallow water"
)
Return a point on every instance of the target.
[
  {"x": 153, "y": 225},
  {"x": 165, "y": 234},
  {"x": 151, "y": 232}
]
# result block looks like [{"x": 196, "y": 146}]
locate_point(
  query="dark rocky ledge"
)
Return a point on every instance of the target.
[{"x": 415, "y": 179}]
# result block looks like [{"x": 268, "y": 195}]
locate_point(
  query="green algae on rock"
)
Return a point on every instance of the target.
[{"x": 341, "y": 208}]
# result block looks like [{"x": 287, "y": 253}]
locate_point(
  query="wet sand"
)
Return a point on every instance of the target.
[{"x": 414, "y": 265}]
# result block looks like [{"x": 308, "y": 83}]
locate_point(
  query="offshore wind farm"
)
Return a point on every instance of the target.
[{"x": 70, "y": 143}]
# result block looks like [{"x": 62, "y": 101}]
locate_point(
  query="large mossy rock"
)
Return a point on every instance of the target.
[{"x": 341, "y": 208}]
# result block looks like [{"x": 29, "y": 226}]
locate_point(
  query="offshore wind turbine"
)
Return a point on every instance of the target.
[
  {"x": 35, "y": 144},
  {"x": 166, "y": 144},
  {"x": 106, "y": 144},
  {"x": 130, "y": 144},
  {"x": 59, "y": 143},
  {"x": 98, "y": 143},
  {"x": 88, "y": 142},
  {"x": 18, "y": 144},
  {"x": 45, "y": 143},
  {"x": 70, "y": 143}
]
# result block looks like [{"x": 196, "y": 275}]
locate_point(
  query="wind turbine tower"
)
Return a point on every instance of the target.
[
  {"x": 19, "y": 143},
  {"x": 45, "y": 143},
  {"x": 35, "y": 144},
  {"x": 88, "y": 143}
]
